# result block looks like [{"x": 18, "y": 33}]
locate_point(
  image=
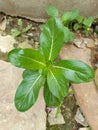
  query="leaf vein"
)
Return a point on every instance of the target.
[
  {"x": 33, "y": 60},
  {"x": 30, "y": 89}
]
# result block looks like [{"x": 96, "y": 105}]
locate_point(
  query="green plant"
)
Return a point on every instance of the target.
[
  {"x": 53, "y": 12},
  {"x": 72, "y": 20},
  {"x": 84, "y": 24},
  {"x": 43, "y": 70},
  {"x": 20, "y": 30}
]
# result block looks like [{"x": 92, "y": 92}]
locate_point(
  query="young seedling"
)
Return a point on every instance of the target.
[
  {"x": 53, "y": 12},
  {"x": 72, "y": 20},
  {"x": 42, "y": 70},
  {"x": 87, "y": 22},
  {"x": 20, "y": 30}
]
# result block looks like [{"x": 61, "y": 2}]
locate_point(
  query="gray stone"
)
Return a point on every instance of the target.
[
  {"x": 36, "y": 8},
  {"x": 79, "y": 117},
  {"x": 55, "y": 120},
  {"x": 79, "y": 42},
  {"x": 90, "y": 42},
  {"x": 6, "y": 43},
  {"x": 24, "y": 44},
  {"x": 85, "y": 93},
  {"x": 10, "y": 118}
]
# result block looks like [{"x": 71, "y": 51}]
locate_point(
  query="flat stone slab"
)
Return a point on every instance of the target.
[
  {"x": 36, "y": 8},
  {"x": 10, "y": 118},
  {"x": 86, "y": 93}
]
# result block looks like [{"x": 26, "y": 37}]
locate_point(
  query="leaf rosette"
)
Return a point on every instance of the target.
[{"x": 41, "y": 69}]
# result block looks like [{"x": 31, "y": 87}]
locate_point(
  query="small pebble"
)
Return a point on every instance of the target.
[
  {"x": 30, "y": 34},
  {"x": 36, "y": 43},
  {"x": 33, "y": 28},
  {"x": 36, "y": 46}
]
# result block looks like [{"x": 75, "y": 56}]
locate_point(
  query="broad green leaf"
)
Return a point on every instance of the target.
[
  {"x": 77, "y": 26},
  {"x": 57, "y": 83},
  {"x": 52, "y": 11},
  {"x": 51, "y": 38},
  {"x": 75, "y": 71},
  {"x": 70, "y": 16},
  {"x": 28, "y": 90},
  {"x": 50, "y": 99},
  {"x": 27, "y": 58},
  {"x": 27, "y": 73},
  {"x": 71, "y": 36},
  {"x": 68, "y": 35},
  {"x": 80, "y": 19},
  {"x": 88, "y": 21}
]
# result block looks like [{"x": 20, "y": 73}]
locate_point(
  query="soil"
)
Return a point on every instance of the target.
[
  {"x": 69, "y": 106},
  {"x": 33, "y": 33}
]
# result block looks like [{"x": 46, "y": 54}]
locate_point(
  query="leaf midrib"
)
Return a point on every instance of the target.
[
  {"x": 60, "y": 67},
  {"x": 51, "y": 47},
  {"x": 30, "y": 89},
  {"x": 33, "y": 60},
  {"x": 55, "y": 79}
]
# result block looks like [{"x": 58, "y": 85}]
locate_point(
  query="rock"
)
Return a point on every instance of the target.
[
  {"x": 87, "y": 96},
  {"x": 79, "y": 42},
  {"x": 33, "y": 28},
  {"x": 89, "y": 42},
  {"x": 84, "y": 42},
  {"x": 96, "y": 41},
  {"x": 31, "y": 34},
  {"x": 36, "y": 43},
  {"x": 24, "y": 44},
  {"x": 10, "y": 118},
  {"x": 85, "y": 93},
  {"x": 55, "y": 120},
  {"x": 96, "y": 77},
  {"x": 36, "y": 9},
  {"x": 36, "y": 46},
  {"x": 80, "y": 118},
  {"x": 6, "y": 43},
  {"x": 69, "y": 51}
]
